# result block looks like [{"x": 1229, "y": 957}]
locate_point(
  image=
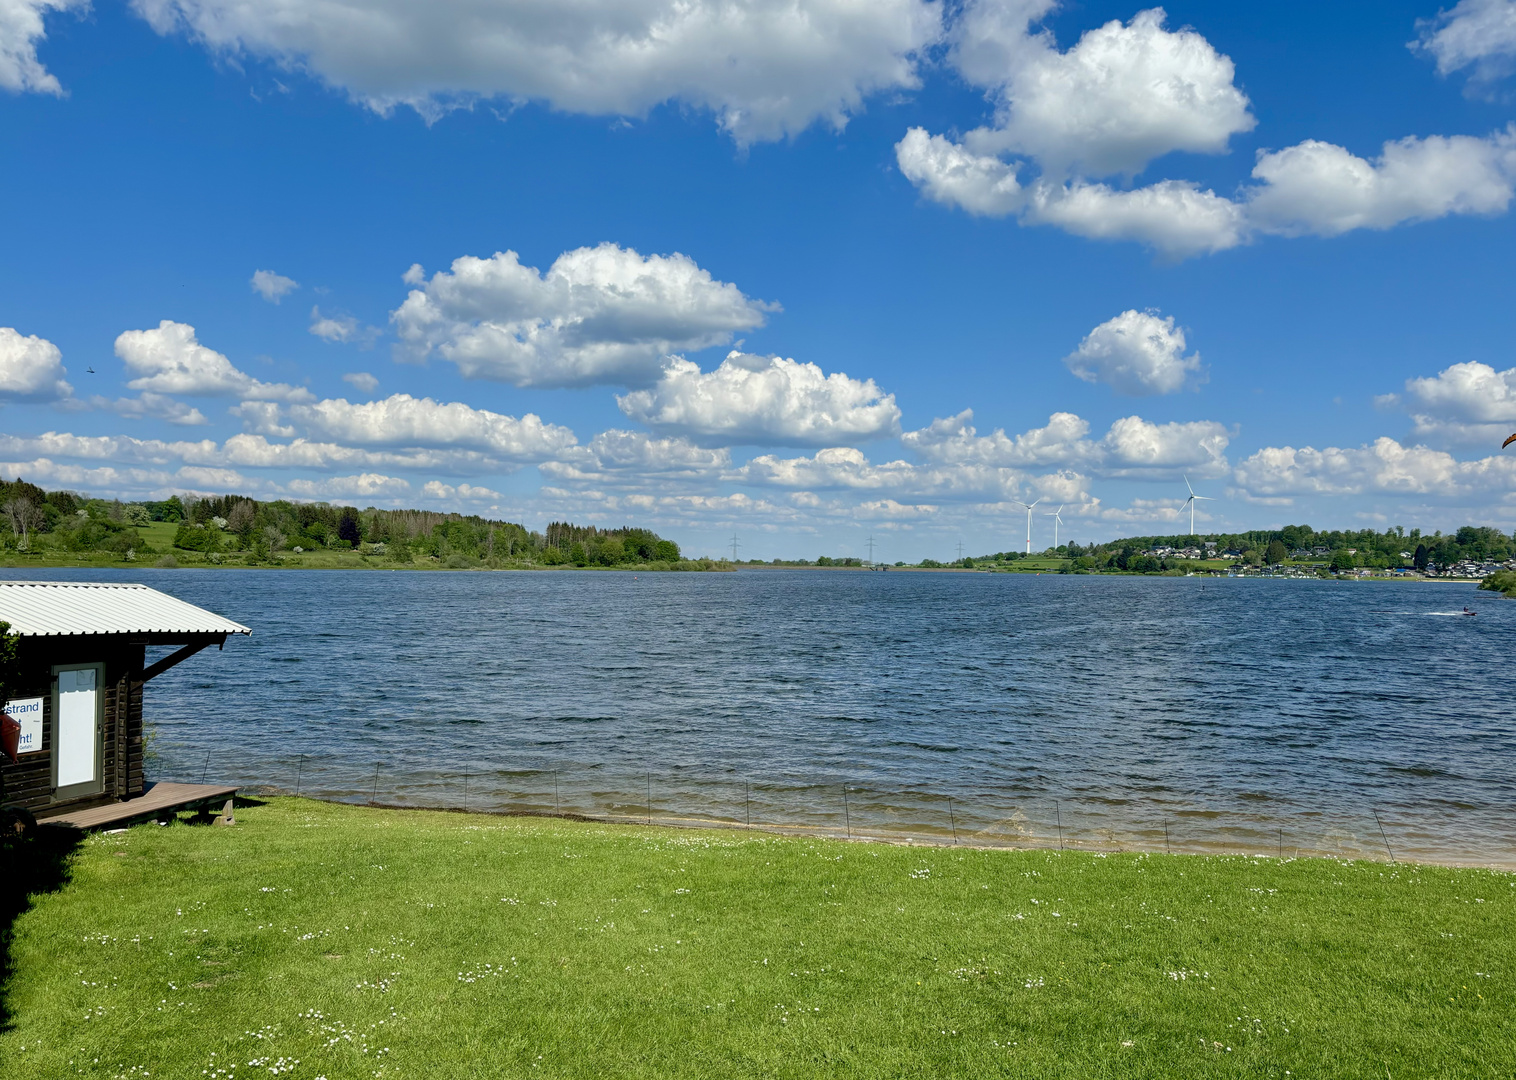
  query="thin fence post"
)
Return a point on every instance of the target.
[
  {"x": 1166, "y": 849},
  {"x": 1058, "y": 818},
  {"x": 952, "y": 820},
  {"x": 649, "y": 798},
  {"x": 1281, "y": 842},
  {"x": 1382, "y": 836},
  {"x": 375, "y": 797},
  {"x": 299, "y": 770},
  {"x": 747, "y": 797},
  {"x": 846, "y": 816}
]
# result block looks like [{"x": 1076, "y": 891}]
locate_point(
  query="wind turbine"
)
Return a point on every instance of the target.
[
  {"x": 1057, "y": 521},
  {"x": 1190, "y": 502},
  {"x": 1028, "y": 523}
]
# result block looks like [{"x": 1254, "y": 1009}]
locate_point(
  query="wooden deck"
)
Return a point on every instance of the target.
[{"x": 159, "y": 800}]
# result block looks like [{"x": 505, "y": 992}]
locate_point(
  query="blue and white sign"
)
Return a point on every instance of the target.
[{"x": 28, "y": 713}]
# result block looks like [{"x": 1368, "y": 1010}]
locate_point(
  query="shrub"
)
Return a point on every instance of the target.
[
  {"x": 197, "y": 538},
  {"x": 1501, "y": 581}
]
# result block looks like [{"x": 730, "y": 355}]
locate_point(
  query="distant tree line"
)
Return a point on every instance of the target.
[
  {"x": 1331, "y": 549},
  {"x": 35, "y": 520}
]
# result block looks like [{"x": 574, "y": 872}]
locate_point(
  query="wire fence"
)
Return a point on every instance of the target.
[{"x": 902, "y": 814}]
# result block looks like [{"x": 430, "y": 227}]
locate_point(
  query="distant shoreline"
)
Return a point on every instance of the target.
[
  {"x": 364, "y": 563},
  {"x": 352, "y": 561}
]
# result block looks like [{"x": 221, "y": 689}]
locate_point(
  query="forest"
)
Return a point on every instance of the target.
[{"x": 239, "y": 530}]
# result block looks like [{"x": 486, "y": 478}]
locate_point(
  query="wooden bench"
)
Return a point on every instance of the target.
[{"x": 157, "y": 801}]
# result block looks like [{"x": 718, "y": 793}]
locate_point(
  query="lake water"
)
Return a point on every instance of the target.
[{"x": 1103, "y": 712}]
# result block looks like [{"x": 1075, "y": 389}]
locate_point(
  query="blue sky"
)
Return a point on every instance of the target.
[{"x": 1138, "y": 244}]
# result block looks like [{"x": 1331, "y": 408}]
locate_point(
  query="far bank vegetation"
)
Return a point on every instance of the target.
[{"x": 50, "y": 528}]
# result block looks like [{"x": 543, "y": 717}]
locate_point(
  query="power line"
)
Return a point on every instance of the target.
[
  {"x": 734, "y": 547},
  {"x": 871, "y": 549}
]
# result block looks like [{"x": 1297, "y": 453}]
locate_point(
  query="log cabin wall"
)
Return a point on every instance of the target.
[{"x": 29, "y": 781}]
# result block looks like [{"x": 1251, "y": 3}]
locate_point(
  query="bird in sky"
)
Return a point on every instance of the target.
[{"x": 91, "y": 371}]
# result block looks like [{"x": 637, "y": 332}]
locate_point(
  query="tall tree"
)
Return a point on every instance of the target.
[{"x": 348, "y": 528}]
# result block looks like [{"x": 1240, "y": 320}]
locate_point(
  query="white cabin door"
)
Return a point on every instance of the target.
[{"x": 77, "y": 743}]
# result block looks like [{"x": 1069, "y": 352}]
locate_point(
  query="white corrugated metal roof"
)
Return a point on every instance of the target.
[{"x": 58, "y": 608}]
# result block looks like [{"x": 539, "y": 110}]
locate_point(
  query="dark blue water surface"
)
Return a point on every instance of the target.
[{"x": 1113, "y": 711}]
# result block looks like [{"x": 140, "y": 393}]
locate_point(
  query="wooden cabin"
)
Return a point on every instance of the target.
[{"x": 73, "y": 725}]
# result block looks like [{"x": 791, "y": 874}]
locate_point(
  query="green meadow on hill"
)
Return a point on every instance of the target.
[{"x": 320, "y": 940}]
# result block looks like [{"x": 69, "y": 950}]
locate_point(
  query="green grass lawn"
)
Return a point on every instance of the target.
[{"x": 317, "y": 940}]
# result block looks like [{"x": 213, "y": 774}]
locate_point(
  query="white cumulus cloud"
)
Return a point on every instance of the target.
[
  {"x": 1319, "y": 188},
  {"x": 21, "y": 28},
  {"x": 1122, "y": 96},
  {"x": 403, "y": 420},
  {"x": 1382, "y": 467},
  {"x": 361, "y": 486},
  {"x": 847, "y": 468},
  {"x": 765, "y": 400},
  {"x": 1132, "y": 447},
  {"x": 1474, "y": 33},
  {"x": 1313, "y": 188},
  {"x": 148, "y": 405},
  {"x": 361, "y": 380},
  {"x": 599, "y": 315},
  {"x": 1127, "y": 94},
  {"x": 1469, "y": 391},
  {"x": 1468, "y": 403},
  {"x": 954, "y": 440},
  {"x": 1173, "y": 217},
  {"x": 169, "y": 360},
  {"x": 765, "y": 68},
  {"x": 1137, "y": 447},
  {"x": 436, "y": 489},
  {"x": 31, "y": 368},
  {"x": 1136, "y": 353},
  {"x": 271, "y": 286},
  {"x": 949, "y": 174},
  {"x": 342, "y": 329}
]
